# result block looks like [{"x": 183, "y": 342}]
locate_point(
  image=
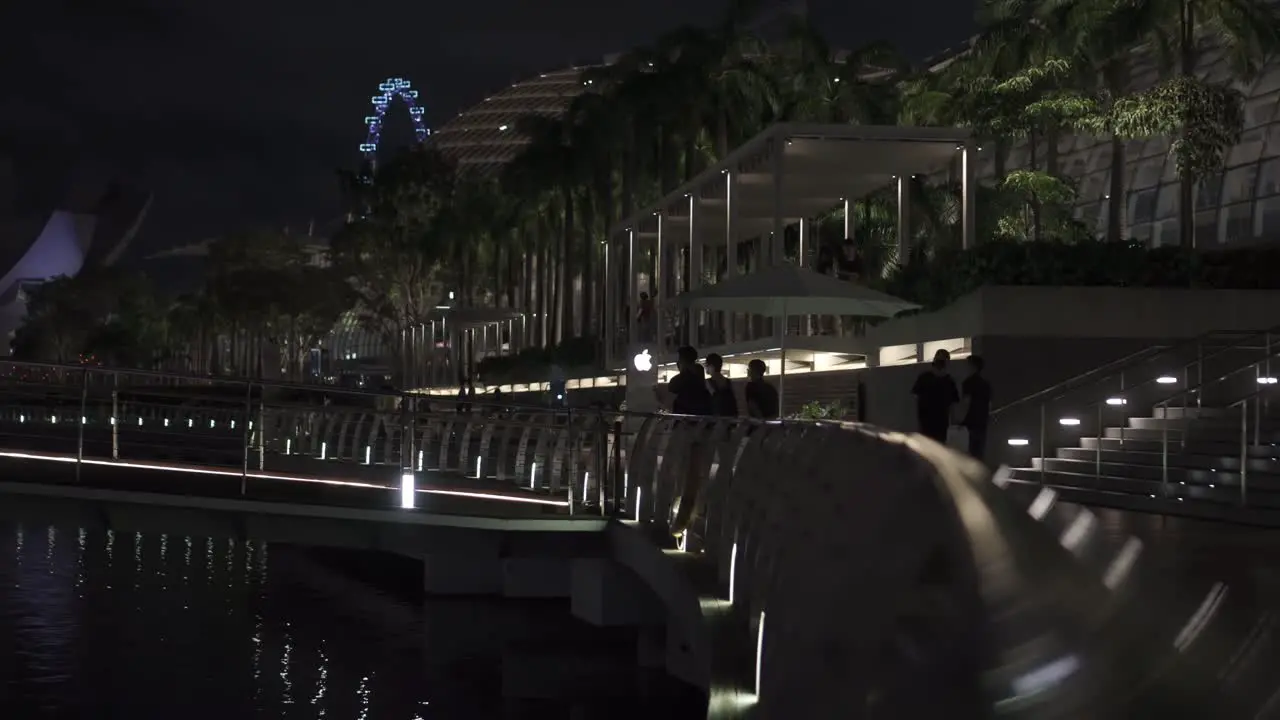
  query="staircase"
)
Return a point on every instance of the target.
[{"x": 1206, "y": 444}]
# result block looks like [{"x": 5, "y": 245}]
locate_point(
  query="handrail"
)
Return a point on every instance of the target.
[
  {"x": 1199, "y": 390},
  {"x": 1072, "y": 380},
  {"x": 1119, "y": 366}
]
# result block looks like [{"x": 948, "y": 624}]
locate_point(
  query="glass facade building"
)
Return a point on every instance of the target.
[
  {"x": 1239, "y": 206},
  {"x": 484, "y": 138}
]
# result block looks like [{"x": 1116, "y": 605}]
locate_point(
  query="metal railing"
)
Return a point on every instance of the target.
[
  {"x": 1117, "y": 386},
  {"x": 792, "y": 518},
  {"x": 274, "y": 432},
  {"x": 1117, "y": 369},
  {"x": 1259, "y": 397}
]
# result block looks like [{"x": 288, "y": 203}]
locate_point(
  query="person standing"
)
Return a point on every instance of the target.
[
  {"x": 762, "y": 397},
  {"x": 688, "y": 389},
  {"x": 936, "y": 395},
  {"x": 976, "y": 393},
  {"x": 723, "y": 401}
]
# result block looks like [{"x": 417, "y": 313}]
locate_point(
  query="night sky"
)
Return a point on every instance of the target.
[{"x": 238, "y": 112}]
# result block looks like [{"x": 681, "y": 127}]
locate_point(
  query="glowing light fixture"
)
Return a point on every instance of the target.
[
  {"x": 407, "y": 491},
  {"x": 1166, "y": 379},
  {"x": 1069, "y": 421},
  {"x": 1266, "y": 380},
  {"x": 759, "y": 651},
  {"x": 1116, "y": 401},
  {"x": 1019, "y": 442},
  {"x": 733, "y": 570}
]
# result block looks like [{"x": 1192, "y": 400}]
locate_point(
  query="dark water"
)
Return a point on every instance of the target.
[{"x": 115, "y": 625}]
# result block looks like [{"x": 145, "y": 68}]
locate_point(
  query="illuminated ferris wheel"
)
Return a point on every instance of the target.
[{"x": 388, "y": 91}]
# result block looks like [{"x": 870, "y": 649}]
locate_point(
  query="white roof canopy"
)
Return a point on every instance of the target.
[{"x": 793, "y": 171}]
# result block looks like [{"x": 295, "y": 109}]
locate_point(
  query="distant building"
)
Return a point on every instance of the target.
[
  {"x": 91, "y": 224},
  {"x": 484, "y": 137}
]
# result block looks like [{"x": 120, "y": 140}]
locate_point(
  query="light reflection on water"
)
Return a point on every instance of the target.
[
  {"x": 201, "y": 628},
  {"x": 226, "y": 632},
  {"x": 173, "y": 633}
]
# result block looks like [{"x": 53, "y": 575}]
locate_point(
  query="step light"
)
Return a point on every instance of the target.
[
  {"x": 1266, "y": 380},
  {"x": 1019, "y": 442},
  {"x": 1068, "y": 421},
  {"x": 1166, "y": 379},
  {"x": 1116, "y": 401}
]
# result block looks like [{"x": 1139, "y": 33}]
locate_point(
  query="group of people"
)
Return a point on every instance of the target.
[
  {"x": 708, "y": 391},
  {"x": 940, "y": 404}
]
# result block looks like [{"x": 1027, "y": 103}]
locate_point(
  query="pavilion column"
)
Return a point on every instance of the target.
[
  {"x": 805, "y": 227},
  {"x": 695, "y": 269},
  {"x": 904, "y": 219},
  {"x": 657, "y": 286},
  {"x": 606, "y": 301},
  {"x": 730, "y": 248},
  {"x": 968, "y": 194},
  {"x": 850, "y": 218},
  {"x": 777, "y": 246},
  {"x": 632, "y": 302}
]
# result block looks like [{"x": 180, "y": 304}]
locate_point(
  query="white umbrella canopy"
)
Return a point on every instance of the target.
[
  {"x": 785, "y": 290},
  {"x": 792, "y": 290}
]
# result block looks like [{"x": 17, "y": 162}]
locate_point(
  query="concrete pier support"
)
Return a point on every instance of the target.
[{"x": 606, "y": 594}]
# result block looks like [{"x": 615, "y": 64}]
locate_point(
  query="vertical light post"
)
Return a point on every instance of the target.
[
  {"x": 115, "y": 416},
  {"x": 84, "y": 401},
  {"x": 408, "y": 489},
  {"x": 248, "y": 439}
]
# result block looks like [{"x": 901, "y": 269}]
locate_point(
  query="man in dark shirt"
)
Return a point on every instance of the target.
[
  {"x": 935, "y": 393},
  {"x": 976, "y": 392},
  {"x": 762, "y": 398},
  {"x": 688, "y": 388}
]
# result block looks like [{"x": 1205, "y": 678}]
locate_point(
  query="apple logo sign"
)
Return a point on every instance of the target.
[{"x": 643, "y": 361}]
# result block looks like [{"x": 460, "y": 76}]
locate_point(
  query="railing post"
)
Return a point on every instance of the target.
[
  {"x": 1097, "y": 453},
  {"x": 600, "y": 466},
  {"x": 1244, "y": 452},
  {"x": 1199, "y": 373},
  {"x": 115, "y": 416},
  {"x": 407, "y": 432},
  {"x": 261, "y": 431},
  {"x": 1042, "y": 442},
  {"x": 1123, "y": 425},
  {"x": 619, "y": 473},
  {"x": 1264, "y": 400},
  {"x": 1164, "y": 453},
  {"x": 248, "y": 439},
  {"x": 84, "y": 401}
]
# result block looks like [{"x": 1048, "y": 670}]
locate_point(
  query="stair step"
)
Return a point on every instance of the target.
[
  {"x": 1026, "y": 482},
  {"x": 1271, "y": 411},
  {"x": 1228, "y": 423},
  {"x": 1209, "y": 432},
  {"x": 1151, "y": 489},
  {"x": 1195, "y": 446},
  {"x": 1176, "y": 458},
  {"x": 1191, "y": 412},
  {"x": 1263, "y": 482}
]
